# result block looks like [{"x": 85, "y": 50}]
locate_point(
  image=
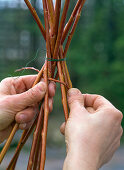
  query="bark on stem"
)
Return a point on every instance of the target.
[
  {"x": 72, "y": 17},
  {"x": 51, "y": 13},
  {"x": 47, "y": 37},
  {"x": 46, "y": 103},
  {"x": 34, "y": 14},
  {"x": 72, "y": 31},
  {"x": 45, "y": 123},
  {"x": 63, "y": 91},
  {"x": 6, "y": 146},
  {"x": 25, "y": 132},
  {"x": 57, "y": 16},
  {"x": 61, "y": 27},
  {"x": 38, "y": 151},
  {"x": 25, "y": 135},
  {"x": 35, "y": 140},
  {"x": 66, "y": 69}
]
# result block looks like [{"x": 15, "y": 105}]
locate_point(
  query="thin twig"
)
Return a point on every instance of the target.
[
  {"x": 63, "y": 91},
  {"x": 27, "y": 68},
  {"x": 6, "y": 146},
  {"x": 26, "y": 133},
  {"x": 33, "y": 12},
  {"x": 61, "y": 27},
  {"x": 72, "y": 31},
  {"x": 45, "y": 123},
  {"x": 71, "y": 19},
  {"x": 35, "y": 139},
  {"x": 58, "y": 81}
]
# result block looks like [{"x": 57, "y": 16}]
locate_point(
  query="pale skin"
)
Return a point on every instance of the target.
[
  {"x": 20, "y": 103},
  {"x": 92, "y": 132}
]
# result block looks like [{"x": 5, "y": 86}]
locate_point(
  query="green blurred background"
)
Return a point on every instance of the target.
[{"x": 95, "y": 57}]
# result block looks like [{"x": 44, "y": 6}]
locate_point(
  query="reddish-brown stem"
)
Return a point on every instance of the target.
[
  {"x": 47, "y": 37},
  {"x": 60, "y": 31},
  {"x": 45, "y": 123},
  {"x": 46, "y": 103},
  {"x": 24, "y": 137},
  {"x": 33, "y": 12},
  {"x": 38, "y": 148},
  {"x": 63, "y": 66},
  {"x": 35, "y": 139},
  {"x": 51, "y": 13},
  {"x": 72, "y": 32},
  {"x": 65, "y": 69},
  {"x": 57, "y": 16},
  {"x": 57, "y": 81},
  {"x": 38, "y": 153},
  {"x": 25, "y": 134},
  {"x": 72, "y": 17},
  {"x": 61, "y": 27},
  {"x": 54, "y": 32},
  {"x": 63, "y": 91},
  {"x": 27, "y": 68},
  {"x": 6, "y": 146}
]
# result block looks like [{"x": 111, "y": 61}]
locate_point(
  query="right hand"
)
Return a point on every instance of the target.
[{"x": 92, "y": 132}]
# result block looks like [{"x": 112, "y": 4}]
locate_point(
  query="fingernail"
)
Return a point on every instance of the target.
[
  {"x": 73, "y": 92},
  {"x": 53, "y": 83},
  {"x": 22, "y": 117},
  {"x": 22, "y": 126}
]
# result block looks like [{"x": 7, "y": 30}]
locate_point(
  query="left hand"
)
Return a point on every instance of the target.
[{"x": 19, "y": 102}]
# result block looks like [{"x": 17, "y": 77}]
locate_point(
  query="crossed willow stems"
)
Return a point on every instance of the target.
[{"x": 54, "y": 68}]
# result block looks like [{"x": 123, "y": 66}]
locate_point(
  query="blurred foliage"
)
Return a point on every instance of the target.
[{"x": 95, "y": 58}]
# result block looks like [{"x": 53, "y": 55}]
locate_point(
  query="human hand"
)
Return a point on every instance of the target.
[
  {"x": 92, "y": 132},
  {"x": 18, "y": 101}
]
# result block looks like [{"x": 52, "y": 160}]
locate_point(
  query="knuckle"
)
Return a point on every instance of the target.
[
  {"x": 76, "y": 98},
  {"x": 121, "y": 131},
  {"x": 118, "y": 115},
  {"x": 114, "y": 114},
  {"x": 99, "y": 97},
  {"x": 6, "y": 80}
]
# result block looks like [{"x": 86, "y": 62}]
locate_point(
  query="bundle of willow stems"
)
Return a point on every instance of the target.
[{"x": 56, "y": 31}]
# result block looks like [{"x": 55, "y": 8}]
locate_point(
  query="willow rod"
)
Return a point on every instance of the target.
[
  {"x": 71, "y": 19},
  {"x": 33, "y": 12},
  {"x": 46, "y": 103},
  {"x": 19, "y": 147}
]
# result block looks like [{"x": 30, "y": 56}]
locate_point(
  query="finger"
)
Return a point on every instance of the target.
[
  {"x": 28, "y": 98},
  {"x": 90, "y": 109},
  {"x": 27, "y": 81},
  {"x": 62, "y": 129},
  {"x": 4, "y": 134},
  {"x": 95, "y": 101},
  {"x": 75, "y": 99},
  {"x": 17, "y": 84},
  {"x": 26, "y": 115},
  {"x": 52, "y": 89}
]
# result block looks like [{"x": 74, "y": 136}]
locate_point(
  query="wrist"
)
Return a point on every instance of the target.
[{"x": 81, "y": 160}]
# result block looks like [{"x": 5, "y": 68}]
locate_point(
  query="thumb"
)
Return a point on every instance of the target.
[
  {"x": 30, "y": 97},
  {"x": 75, "y": 99}
]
